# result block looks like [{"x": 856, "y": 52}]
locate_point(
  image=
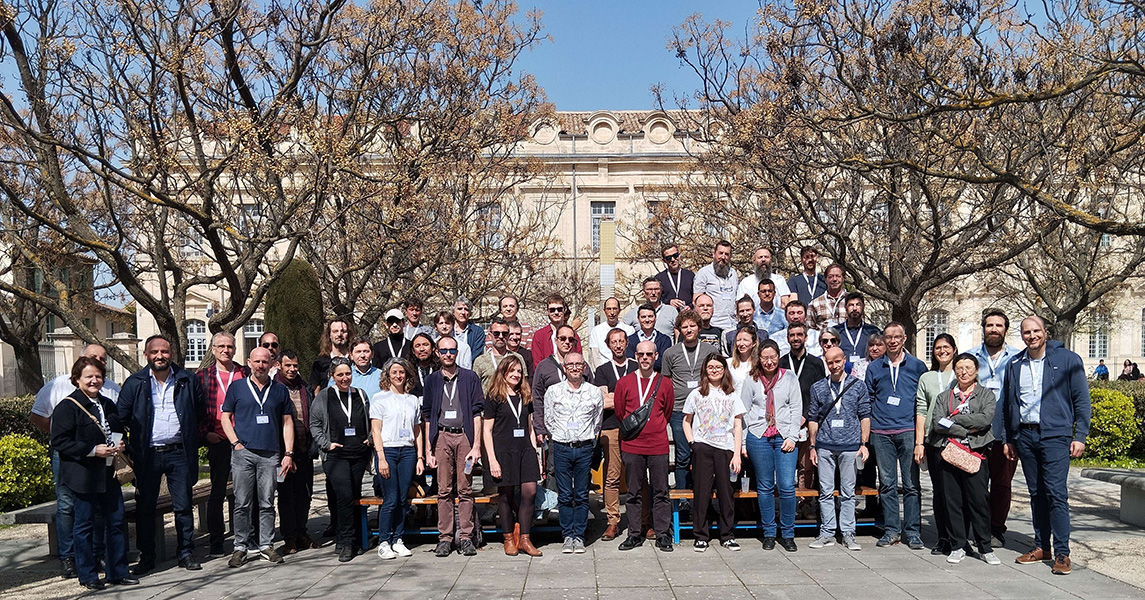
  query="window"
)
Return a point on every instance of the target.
[
  {"x": 196, "y": 342},
  {"x": 938, "y": 323},
  {"x": 1099, "y": 336},
  {"x": 600, "y": 211},
  {"x": 489, "y": 225},
  {"x": 251, "y": 332}
]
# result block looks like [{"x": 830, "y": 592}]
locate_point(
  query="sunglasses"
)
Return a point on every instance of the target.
[
  {"x": 556, "y": 309},
  {"x": 645, "y": 354},
  {"x": 671, "y": 257},
  {"x": 565, "y": 338},
  {"x": 270, "y": 344},
  {"x": 499, "y": 334},
  {"x": 447, "y": 350}
]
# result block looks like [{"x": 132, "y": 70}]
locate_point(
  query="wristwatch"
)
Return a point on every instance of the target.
[
  {"x": 290, "y": 454},
  {"x": 235, "y": 443}
]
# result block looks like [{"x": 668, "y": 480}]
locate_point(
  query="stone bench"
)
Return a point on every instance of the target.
[{"x": 1132, "y": 484}]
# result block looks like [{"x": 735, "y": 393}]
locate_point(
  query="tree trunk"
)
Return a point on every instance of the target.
[
  {"x": 904, "y": 313},
  {"x": 1063, "y": 329},
  {"x": 26, "y": 349}
]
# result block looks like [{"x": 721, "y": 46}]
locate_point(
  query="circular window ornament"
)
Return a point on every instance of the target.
[{"x": 544, "y": 133}]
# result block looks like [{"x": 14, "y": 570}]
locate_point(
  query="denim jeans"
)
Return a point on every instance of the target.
[
  {"x": 395, "y": 493},
  {"x": 65, "y": 516},
  {"x": 1045, "y": 464},
  {"x": 254, "y": 475},
  {"x": 683, "y": 449},
  {"x": 895, "y": 452},
  {"x": 773, "y": 469},
  {"x": 180, "y": 479},
  {"x": 573, "y": 471},
  {"x": 109, "y": 505},
  {"x": 843, "y": 462}
]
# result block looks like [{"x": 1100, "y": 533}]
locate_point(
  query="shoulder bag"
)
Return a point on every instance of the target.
[
  {"x": 959, "y": 454},
  {"x": 632, "y": 424},
  {"x": 124, "y": 468}
]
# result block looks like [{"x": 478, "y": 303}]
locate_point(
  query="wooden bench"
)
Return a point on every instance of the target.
[
  {"x": 200, "y": 493},
  {"x": 369, "y": 501},
  {"x": 1132, "y": 484},
  {"x": 800, "y": 492}
]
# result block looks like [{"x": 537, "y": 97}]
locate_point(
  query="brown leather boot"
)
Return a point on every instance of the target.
[
  {"x": 510, "y": 544},
  {"x": 610, "y": 533},
  {"x": 527, "y": 546}
]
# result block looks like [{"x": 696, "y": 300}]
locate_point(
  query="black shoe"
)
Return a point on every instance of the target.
[
  {"x": 346, "y": 555},
  {"x": 443, "y": 549},
  {"x": 190, "y": 564},
  {"x": 94, "y": 585},
  {"x": 941, "y": 548},
  {"x": 768, "y": 542},
  {"x": 632, "y": 541},
  {"x": 999, "y": 536},
  {"x": 466, "y": 548},
  {"x": 788, "y": 544},
  {"x": 124, "y": 581},
  {"x": 68, "y": 568},
  {"x": 142, "y": 568},
  {"x": 664, "y": 542},
  {"x": 217, "y": 551}
]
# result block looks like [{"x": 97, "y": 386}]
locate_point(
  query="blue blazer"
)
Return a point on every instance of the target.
[
  {"x": 1065, "y": 409},
  {"x": 662, "y": 342},
  {"x": 470, "y": 395},
  {"x": 137, "y": 414}
]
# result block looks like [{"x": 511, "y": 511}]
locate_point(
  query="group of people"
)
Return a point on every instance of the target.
[{"x": 775, "y": 380}]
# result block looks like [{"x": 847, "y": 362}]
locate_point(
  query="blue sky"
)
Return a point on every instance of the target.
[{"x": 606, "y": 55}]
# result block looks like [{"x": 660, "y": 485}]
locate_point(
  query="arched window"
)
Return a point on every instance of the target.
[
  {"x": 196, "y": 342},
  {"x": 938, "y": 322}
]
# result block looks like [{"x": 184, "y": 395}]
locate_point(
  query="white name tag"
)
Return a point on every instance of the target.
[
  {"x": 518, "y": 433},
  {"x": 451, "y": 414},
  {"x": 993, "y": 384},
  {"x": 945, "y": 422},
  {"x": 693, "y": 384},
  {"x": 262, "y": 419},
  {"x": 349, "y": 432},
  {"x": 836, "y": 422},
  {"x": 893, "y": 400},
  {"x": 405, "y": 433},
  {"x": 855, "y": 358}
]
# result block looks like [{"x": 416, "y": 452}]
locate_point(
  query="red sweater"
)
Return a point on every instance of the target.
[
  {"x": 542, "y": 346},
  {"x": 653, "y": 439}
]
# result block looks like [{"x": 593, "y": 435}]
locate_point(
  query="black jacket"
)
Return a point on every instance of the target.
[
  {"x": 74, "y": 434},
  {"x": 137, "y": 414}
]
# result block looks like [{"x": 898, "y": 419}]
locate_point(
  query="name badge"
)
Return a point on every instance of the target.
[
  {"x": 693, "y": 384},
  {"x": 945, "y": 422},
  {"x": 993, "y": 384},
  {"x": 893, "y": 400},
  {"x": 518, "y": 433},
  {"x": 451, "y": 414},
  {"x": 405, "y": 433},
  {"x": 836, "y": 422},
  {"x": 856, "y": 358},
  {"x": 262, "y": 419},
  {"x": 349, "y": 432}
]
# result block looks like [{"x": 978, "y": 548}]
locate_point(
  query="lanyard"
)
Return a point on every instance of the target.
[
  {"x": 963, "y": 400},
  {"x": 452, "y": 392},
  {"x": 835, "y": 304},
  {"x": 675, "y": 284},
  {"x": 894, "y": 376},
  {"x": 390, "y": 343},
  {"x": 836, "y": 393},
  {"x": 691, "y": 363},
  {"x": 945, "y": 381},
  {"x": 812, "y": 283},
  {"x": 994, "y": 363},
  {"x": 347, "y": 407},
  {"x": 229, "y": 381},
  {"x": 560, "y": 368},
  {"x": 802, "y": 363},
  {"x": 421, "y": 377},
  {"x": 616, "y": 372},
  {"x": 850, "y": 338},
  {"x": 493, "y": 357},
  {"x": 641, "y": 389},
  {"x": 516, "y": 409},
  {"x": 260, "y": 399}
]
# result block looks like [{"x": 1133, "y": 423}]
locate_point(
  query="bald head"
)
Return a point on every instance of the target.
[
  {"x": 646, "y": 356},
  {"x": 836, "y": 360},
  {"x": 96, "y": 351},
  {"x": 259, "y": 363}
]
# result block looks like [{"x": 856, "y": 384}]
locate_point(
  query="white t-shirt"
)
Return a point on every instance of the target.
[
  {"x": 749, "y": 286},
  {"x": 400, "y": 415},
  {"x": 713, "y": 422},
  {"x": 61, "y": 387},
  {"x": 598, "y": 341},
  {"x": 739, "y": 375}
]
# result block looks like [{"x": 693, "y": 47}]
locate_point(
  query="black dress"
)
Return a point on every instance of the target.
[{"x": 514, "y": 452}]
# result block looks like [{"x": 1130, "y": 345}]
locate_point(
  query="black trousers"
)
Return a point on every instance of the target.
[
  {"x": 219, "y": 459},
  {"x": 645, "y": 470},
  {"x": 712, "y": 466},
  {"x": 935, "y": 466},
  {"x": 294, "y": 499},
  {"x": 967, "y": 505},
  {"x": 345, "y": 482}
]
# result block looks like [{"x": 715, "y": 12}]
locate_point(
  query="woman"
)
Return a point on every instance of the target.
[
  {"x": 876, "y": 347},
  {"x": 395, "y": 421},
  {"x": 964, "y": 414},
  {"x": 339, "y": 423},
  {"x": 932, "y": 386},
  {"x": 87, "y": 434},
  {"x": 774, "y": 412},
  {"x": 829, "y": 338},
  {"x": 713, "y": 425},
  {"x": 513, "y": 463},
  {"x": 743, "y": 357}
]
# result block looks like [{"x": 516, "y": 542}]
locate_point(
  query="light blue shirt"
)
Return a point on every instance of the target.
[
  {"x": 992, "y": 375},
  {"x": 772, "y": 321},
  {"x": 1030, "y": 389},
  {"x": 165, "y": 425},
  {"x": 369, "y": 382}
]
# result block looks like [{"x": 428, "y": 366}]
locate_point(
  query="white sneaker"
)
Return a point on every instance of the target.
[
  {"x": 385, "y": 552},
  {"x": 956, "y": 556},
  {"x": 822, "y": 542},
  {"x": 850, "y": 543},
  {"x": 399, "y": 547},
  {"x": 991, "y": 558}
]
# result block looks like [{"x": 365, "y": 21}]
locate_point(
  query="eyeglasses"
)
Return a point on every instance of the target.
[
  {"x": 556, "y": 309},
  {"x": 714, "y": 368},
  {"x": 270, "y": 344},
  {"x": 447, "y": 350},
  {"x": 645, "y": 354},
  {"x": 671, "y": 257},
  {"x": 499, "y": 334},
  {"x": 565, "y": 338},
  {"x": 831, "y": 341},
  {"x": 574, "y": 365}
]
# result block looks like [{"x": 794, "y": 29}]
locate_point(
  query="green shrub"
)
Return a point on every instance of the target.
[
  {"x": 14, "y": 418},
  {"x": 25, "y": 473},
  {"x": 1136, "y": 391},
  {"x": 294, "y": 312},
  {"x": 1115, "y": 427}
]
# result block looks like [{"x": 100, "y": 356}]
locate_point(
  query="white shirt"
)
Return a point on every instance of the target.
[
  {"x": 165, "y": 425},
  {"x": 61, "y": 387},
  {"x": 713, "y": 417},
  {"x": 750, "y": 286},
  {"x": 573, "y": 415},
  {"x": 739, "y": 374},
  {"x": 400, "y": 415},
  {"x": 598, "y": 341}
]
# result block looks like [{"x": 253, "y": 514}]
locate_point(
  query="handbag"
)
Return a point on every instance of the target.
[
  {"x": 633, "y": 423},
  {"x": 124, "y": 468},
  {"x": 960, "y": 455}
]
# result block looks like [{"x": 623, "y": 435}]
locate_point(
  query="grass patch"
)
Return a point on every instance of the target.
[{"x": 1123, "y": 462}]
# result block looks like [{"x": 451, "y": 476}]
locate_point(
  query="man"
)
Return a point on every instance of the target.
[
  {"x": 215, "y": 381},
  {"x": 854, "y": 332},
  {"x": 516, "y": 334},
  {"x": 720, "y": 281},
  {"x": 675, "y": 280},
  {"x": 646, "y": 455},
  {"x": 829, "y": 309},
  {"x": 335, "y": 341},
  {"x": 269, "y": 340},
  {"x": 366, "y": 376},
  {"x": 808, "y": 369},
  {"x": 598, "y": 337},
  {"x": 745, "y": 311},
  {"x": 839, "y": 426},
  {"x": 665, "y": 314},
  {"x": 1101, "y": 372},
  {"x": 808, "y": 284},
  {"x": 444, "y": 325},
  {"x": 413, "y": 325},
  {"x": 295, "y": 491},
  {"x": 709, "y": 334},
  {"x": 508, "y": 306},
  {"x": 160, "y": 407},
  {"x": 749, "y": 286},
  {"x": 797, "y": 313},
  {"x": 486, "y": 364},
  {"x": 769, "y": 316},
  {"x": 472, "y": 334},
  {"x": 46, "y": 400},
  {"x": 258, "y": 418},
  {"x": 1047, "y": 412},
  {"x": 573, "y": 412},
  {"x": 648, "y": 333},
  {"x": 606, "y": 376},
  {"x": 395, "y": 344},
  {"x": 892, "y": 382},
  {"x": 994, "y": 356},
  {"x": 548, "y": 373},
  {"x": 545, "y": 338},
  {"x": 451, "y": 412},
  {"x": 683, "y": 364}
]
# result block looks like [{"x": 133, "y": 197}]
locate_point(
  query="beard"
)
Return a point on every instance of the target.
[
  {"x": 762, "y": 274},
  {"x": 994, "y": 340},
  {"x": 722, "y": 269}
]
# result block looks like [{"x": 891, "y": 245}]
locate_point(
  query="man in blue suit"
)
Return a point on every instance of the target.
[{"x": 646, "y": 318}]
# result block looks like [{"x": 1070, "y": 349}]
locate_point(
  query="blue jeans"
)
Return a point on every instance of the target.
[
  {"x": 573, "y": 472},
  {"x": 65, "y": 515},
  {"x": 895, "y": 452},
  {"x": 180, "y": 479},
  {"x": 1045, "y": 464},
  {"x": 773, "y": 468},
  {"x": 395, "y": 493},
  {"x": 683, "y": 468},
  {"x": 109, "y": 506}
]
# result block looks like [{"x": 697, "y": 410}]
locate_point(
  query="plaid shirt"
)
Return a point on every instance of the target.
[
  {"x": 826, "y": 312},
  {"x": 210, "y": 383}
]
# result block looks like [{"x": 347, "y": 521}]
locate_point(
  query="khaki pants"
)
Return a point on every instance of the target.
[
  {"x": 613, "y": 466},
  {"x": 450, "y": 452}
]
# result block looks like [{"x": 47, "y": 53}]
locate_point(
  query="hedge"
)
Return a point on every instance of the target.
[
  {"x": 25, "y": 473},
  {"x": 14, "y": 418},
  {"x": 1136, "y": 391}
]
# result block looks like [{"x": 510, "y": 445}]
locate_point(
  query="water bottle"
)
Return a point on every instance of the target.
[
  {"x": 859, "y": 462},
  {"x": 468, "y": 465}
]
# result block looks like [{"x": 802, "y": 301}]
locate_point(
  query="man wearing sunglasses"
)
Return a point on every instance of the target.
[
  {"x": 394, "y": 345},
  {"x": 545, "y": 338},
  {"x": 486, "y": 364},
  {"x": 269, "y": 341},
  {"x": 675, "y": 280}
]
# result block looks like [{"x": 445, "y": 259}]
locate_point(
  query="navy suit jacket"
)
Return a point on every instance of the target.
[{"x": 137, "y": 414}]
